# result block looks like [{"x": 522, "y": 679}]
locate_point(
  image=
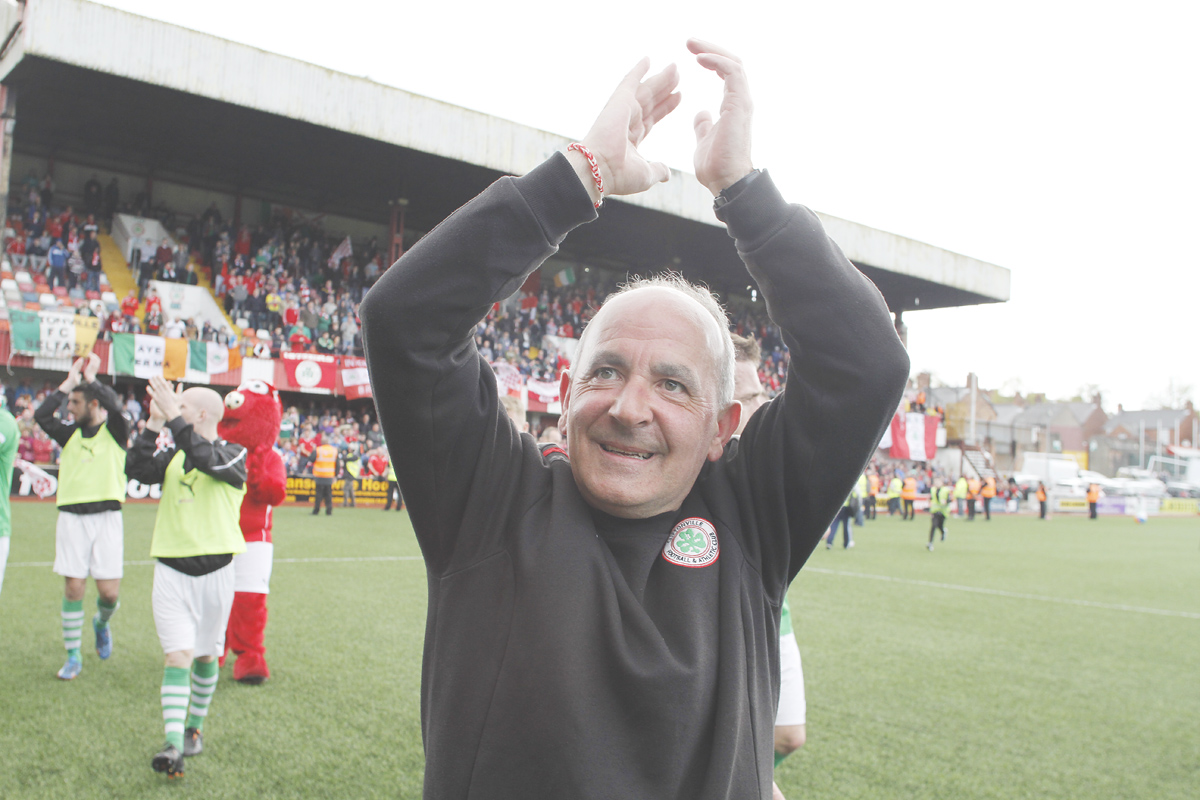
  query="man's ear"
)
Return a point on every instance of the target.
[
  {"x": 564, "y": 397},
  {"x": 727, "y": 425}
]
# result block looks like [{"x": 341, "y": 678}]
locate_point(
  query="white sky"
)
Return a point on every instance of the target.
[{"x": 1057, "y": 139}]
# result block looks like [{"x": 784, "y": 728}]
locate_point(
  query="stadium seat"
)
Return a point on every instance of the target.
[
  {"x": 29, "y": 297},
  {"x": 264, "y": 334},
  {"x": 242, "y": 322},
  {"x": 60, "y": 291},
  {"x": 104, "y": 279},
  {"x": 93, "y": 295},
  {"x": 41, "y": 287},
  {"x": 6, "y": 273},
  {"x": 33, "y": 306},
  {"x": 109, "y": 297},
  {"x": 8, "y": 283},
  {"x": 47, "y": 300},
  {"x": 24, "y": 277}
]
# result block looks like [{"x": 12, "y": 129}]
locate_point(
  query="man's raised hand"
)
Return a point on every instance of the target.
[
  {"x": 73, "y": 377},
  {"x": 91, "y": 368},
  {"x": 723, "y": 147},
  {"x": 161, "y": 394},
  {"x": 632, "y": 111}
]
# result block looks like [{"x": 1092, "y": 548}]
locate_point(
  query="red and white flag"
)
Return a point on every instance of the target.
[
  {"x": 309, "y": 372},
  {"x": 356, "y": 382},
  {"x": 344, "y": 250},
  {"x": 913, "y": 436}
]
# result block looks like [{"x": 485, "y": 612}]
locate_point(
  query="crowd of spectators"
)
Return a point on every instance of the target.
[{"x": 296, "y": 288}]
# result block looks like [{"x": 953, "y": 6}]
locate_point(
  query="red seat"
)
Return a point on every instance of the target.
[
  {"x": 93, "y": 295},
  {"x": 33, "y": 306},
  {"x": 60, "y": 291},
  {"x": 5, "y": 274},
  {"x": 42, "y": 288}
]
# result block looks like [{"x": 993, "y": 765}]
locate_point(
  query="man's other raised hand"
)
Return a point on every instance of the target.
[{"x": 723, "y": 147}]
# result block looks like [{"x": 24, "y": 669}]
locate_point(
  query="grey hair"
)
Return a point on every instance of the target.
[{"x": 705, "y": 297}]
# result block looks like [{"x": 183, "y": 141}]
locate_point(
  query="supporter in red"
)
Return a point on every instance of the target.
[
  {"x": 129, "y": 306},
  {"x": 242, "y": 245},
  {"x": 43, "y": 448},
  {"x": 377, "y": 463},
  {"x": 154, "y": 303},
  {"x": 307, "y": 444}
]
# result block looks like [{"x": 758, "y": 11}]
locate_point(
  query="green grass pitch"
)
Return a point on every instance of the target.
[{"x": 1020, "y": 659}]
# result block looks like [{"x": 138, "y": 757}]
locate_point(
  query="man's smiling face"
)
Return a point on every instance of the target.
[{"x": 641, "y": 403}]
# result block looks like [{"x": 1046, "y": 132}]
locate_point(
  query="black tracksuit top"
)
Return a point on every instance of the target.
[{"x": 565, "y": 656}]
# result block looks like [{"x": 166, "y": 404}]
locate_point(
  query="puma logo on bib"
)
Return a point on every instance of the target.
[{"x": 693, "y": 543}]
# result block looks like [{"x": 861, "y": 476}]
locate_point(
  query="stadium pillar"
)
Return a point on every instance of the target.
[
  {"x": 901, "y": 329},
  {"x": 396, "y": 231},
  {"x": 8, "y": 119}
]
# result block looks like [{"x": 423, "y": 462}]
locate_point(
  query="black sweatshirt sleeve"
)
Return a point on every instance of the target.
[
  {"x": 142, "y": 463},
  {"x": 436, "y": 396},
  {"x": 803, "y": 453},
  {"x": 223, "y": 460},
  {"x": 55, "y": 428}
]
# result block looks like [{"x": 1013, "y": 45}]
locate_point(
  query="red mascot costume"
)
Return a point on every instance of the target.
[{"x": 252, "y": 415}]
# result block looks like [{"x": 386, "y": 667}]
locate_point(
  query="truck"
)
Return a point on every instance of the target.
[{"x": 1047, "y": 468}]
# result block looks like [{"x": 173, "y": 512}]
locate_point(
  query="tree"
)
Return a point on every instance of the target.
[{"x": 1176, "y": 395}]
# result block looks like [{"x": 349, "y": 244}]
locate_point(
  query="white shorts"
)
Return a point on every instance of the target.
[
  {"x": 90, "y": 545},
  {"x": 791, "y": 683},
  {"x": 190, "y": 612},
  {"x": 252, "y": 569},
  {"x": 3, "y": 557}
]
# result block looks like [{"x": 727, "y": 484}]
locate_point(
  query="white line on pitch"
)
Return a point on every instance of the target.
[
  {"x": 1002, "y": 593},
  {"x": 277, "y": 561}
]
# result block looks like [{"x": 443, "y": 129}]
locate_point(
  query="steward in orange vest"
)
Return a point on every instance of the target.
[
  {"x": 324, "y": 469},
  {"x": 1041, "y": 496},
  {"x": 987, "y": 493},
  {"x": 1093, "y": 498},
  {"x": 973, "y": 486},
  {"x": 908, "y": 494}
]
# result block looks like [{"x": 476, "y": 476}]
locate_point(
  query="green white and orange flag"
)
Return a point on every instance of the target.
[{"x": 138, "y": 355}]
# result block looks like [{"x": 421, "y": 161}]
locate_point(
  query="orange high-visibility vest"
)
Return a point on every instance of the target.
[
  {"x": 1093, "y": 494},
  {"x": 873, "y": 480},
  {"x": 326, "y": 461},
  {"x": 1041, "y": 495},
  {"x": 973, "y": 487},
  {"x": 989, "y": 487},
  {"x": 910, "y": 489}
]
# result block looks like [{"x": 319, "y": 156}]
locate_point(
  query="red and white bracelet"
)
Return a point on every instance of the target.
[{"x": 591, "y": 159}]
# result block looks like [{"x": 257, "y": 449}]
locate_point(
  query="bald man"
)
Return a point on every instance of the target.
[
  {"x": 196, "y": 536},
  {"x": 605, "y": 622}
]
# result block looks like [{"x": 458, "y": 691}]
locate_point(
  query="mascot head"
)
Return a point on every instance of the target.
[{"x": 252, "y": 413}]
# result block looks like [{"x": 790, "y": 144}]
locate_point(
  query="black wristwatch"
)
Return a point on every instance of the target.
[{"x": 730, "y": 192}]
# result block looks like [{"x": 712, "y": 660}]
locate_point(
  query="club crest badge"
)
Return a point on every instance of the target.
[{"x": 693, "y": 543}]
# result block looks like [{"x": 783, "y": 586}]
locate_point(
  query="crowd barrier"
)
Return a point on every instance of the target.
[{"x": 300, "y": 489}]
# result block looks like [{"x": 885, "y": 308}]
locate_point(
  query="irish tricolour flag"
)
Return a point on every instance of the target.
[
  {"x": 206, "y": 359},
  {"x": 137, "y": 354}
]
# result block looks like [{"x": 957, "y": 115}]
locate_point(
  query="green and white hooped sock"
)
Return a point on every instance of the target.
[
  {"x": 779, "y": 760},
  {"x": 175, "y": 691},
  {"x": 72, "y": 625},
  {"x": 106, "y": 611},
  {"x": 204, "y": 683}
]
